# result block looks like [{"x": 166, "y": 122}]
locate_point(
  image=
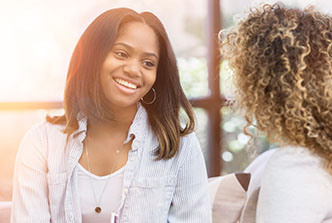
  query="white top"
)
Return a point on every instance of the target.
[
  {"x": 88, "y": 201},
  {"x": 46, "y": 178},
  {"x": 295, "y": 188}
]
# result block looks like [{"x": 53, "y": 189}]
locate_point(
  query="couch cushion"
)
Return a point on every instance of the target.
[
  {"x": 256, "y": 169},
  {"x": 228, "y": 196}
]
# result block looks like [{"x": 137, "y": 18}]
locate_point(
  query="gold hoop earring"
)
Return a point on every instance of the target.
[{"x": 154, "y": 97}]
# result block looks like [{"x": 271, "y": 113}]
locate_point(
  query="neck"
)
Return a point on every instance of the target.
[{"x": 121, "y": 121}]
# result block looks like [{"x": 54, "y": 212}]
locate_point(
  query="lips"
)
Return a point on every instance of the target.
[{"x": 126, "y": 83}]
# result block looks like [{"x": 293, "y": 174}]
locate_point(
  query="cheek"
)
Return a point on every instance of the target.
[
  {"x": 110, "y": 64},
  {"x": 152, "y": 78}
]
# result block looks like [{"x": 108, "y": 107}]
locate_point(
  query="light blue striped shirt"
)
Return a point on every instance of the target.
[{"x": 46, "y": 179}]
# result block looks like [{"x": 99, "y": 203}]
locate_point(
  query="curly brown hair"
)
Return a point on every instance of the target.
[{"x": 282, "y": 64}]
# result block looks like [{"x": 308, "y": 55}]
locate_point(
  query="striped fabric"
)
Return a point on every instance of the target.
[{"x": 46, "y": 183}]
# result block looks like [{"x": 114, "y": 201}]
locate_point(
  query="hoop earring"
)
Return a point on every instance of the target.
[{"x": 154, "y": 97}]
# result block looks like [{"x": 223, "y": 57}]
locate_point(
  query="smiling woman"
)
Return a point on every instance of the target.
[
  {"x": 119, "y": 153},
  {"x": 129, "y": 70}
]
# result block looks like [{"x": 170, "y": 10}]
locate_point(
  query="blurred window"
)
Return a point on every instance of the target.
[{"x": 37, "y": 40}]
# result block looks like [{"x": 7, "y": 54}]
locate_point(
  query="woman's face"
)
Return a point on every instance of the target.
[{"x": 130, "y": 68}]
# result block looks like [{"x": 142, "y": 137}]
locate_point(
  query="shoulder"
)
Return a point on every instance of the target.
[
  {"x": 34, "y": 145},
  {"x": 189, "y": 140},
  {"x": 39, "y": 135},
  {"x": 295, "y": 187},
  {"x": 295, "y": 159},
  {"x": 44, "y": 128},
  {"x": 298, "y": 171},
  {"x": 189, "y": 148}
]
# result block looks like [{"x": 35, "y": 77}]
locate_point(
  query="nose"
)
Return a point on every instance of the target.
[{"x": 132, "y": 69}]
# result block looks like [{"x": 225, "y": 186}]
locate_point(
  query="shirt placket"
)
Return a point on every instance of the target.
[
  {"x": 72, "y": 211},
  {"x": 130, "y": 172}
]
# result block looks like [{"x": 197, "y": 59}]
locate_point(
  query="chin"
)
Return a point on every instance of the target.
[{"x": 122, "y": 104}]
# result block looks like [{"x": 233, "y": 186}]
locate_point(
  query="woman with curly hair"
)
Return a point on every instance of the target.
[{"x": 282, "y": 63}]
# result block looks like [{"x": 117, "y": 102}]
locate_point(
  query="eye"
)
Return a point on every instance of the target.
[
  {"x": 148, "y": 63},
  {"x": 121, "y": 54}
]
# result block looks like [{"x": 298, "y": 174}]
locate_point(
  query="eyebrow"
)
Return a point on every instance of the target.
[{"x": 130, "y": 47}]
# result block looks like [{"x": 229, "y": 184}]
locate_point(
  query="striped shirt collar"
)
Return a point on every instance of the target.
[{"x": 137, "y": 128}]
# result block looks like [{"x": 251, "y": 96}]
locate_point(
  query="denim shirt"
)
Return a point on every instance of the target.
[{"x": 46, "y": 180}]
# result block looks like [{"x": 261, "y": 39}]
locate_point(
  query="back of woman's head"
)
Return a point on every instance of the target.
[{"x": 282, "y": 62}]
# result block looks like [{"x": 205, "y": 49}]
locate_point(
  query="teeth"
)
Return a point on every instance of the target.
[{"x": 125, "y": 83}]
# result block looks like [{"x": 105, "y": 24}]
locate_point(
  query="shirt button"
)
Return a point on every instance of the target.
[
  {"x": 132, "y": 159},
  {"x": 126, "y": 190}
]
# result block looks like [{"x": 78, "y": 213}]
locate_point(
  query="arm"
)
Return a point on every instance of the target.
[
  {"x": 295, "y": 189},
  {"x": 30, "y": 191},
  {"x": 191, "y": 201}
]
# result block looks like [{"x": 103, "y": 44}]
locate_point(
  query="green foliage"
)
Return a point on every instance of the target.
[{"x": 193, "y": 76}]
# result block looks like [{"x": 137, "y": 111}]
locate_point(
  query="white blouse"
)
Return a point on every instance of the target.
[
  {"x": 295, "y": 188},
  {"x": 87, "y": 198}
]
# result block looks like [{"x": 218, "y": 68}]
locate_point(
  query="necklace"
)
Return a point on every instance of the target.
[{"x": 117, "y": 152}]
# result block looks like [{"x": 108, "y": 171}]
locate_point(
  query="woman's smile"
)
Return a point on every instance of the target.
[
  {"x": 126, "y": 86},
  {"x": 125, "y": 83}
]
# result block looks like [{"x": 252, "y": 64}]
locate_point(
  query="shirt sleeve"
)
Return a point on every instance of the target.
[
  {"x": 295, "y": 188},
  {"x": 30, "y": 190},
  {"x": 191, "y": 201}
]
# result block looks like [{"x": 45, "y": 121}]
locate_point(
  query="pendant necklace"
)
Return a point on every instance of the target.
[{"x": 98, "y": 208}]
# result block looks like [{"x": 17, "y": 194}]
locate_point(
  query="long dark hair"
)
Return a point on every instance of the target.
[{"x": 83, "y": 92}]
